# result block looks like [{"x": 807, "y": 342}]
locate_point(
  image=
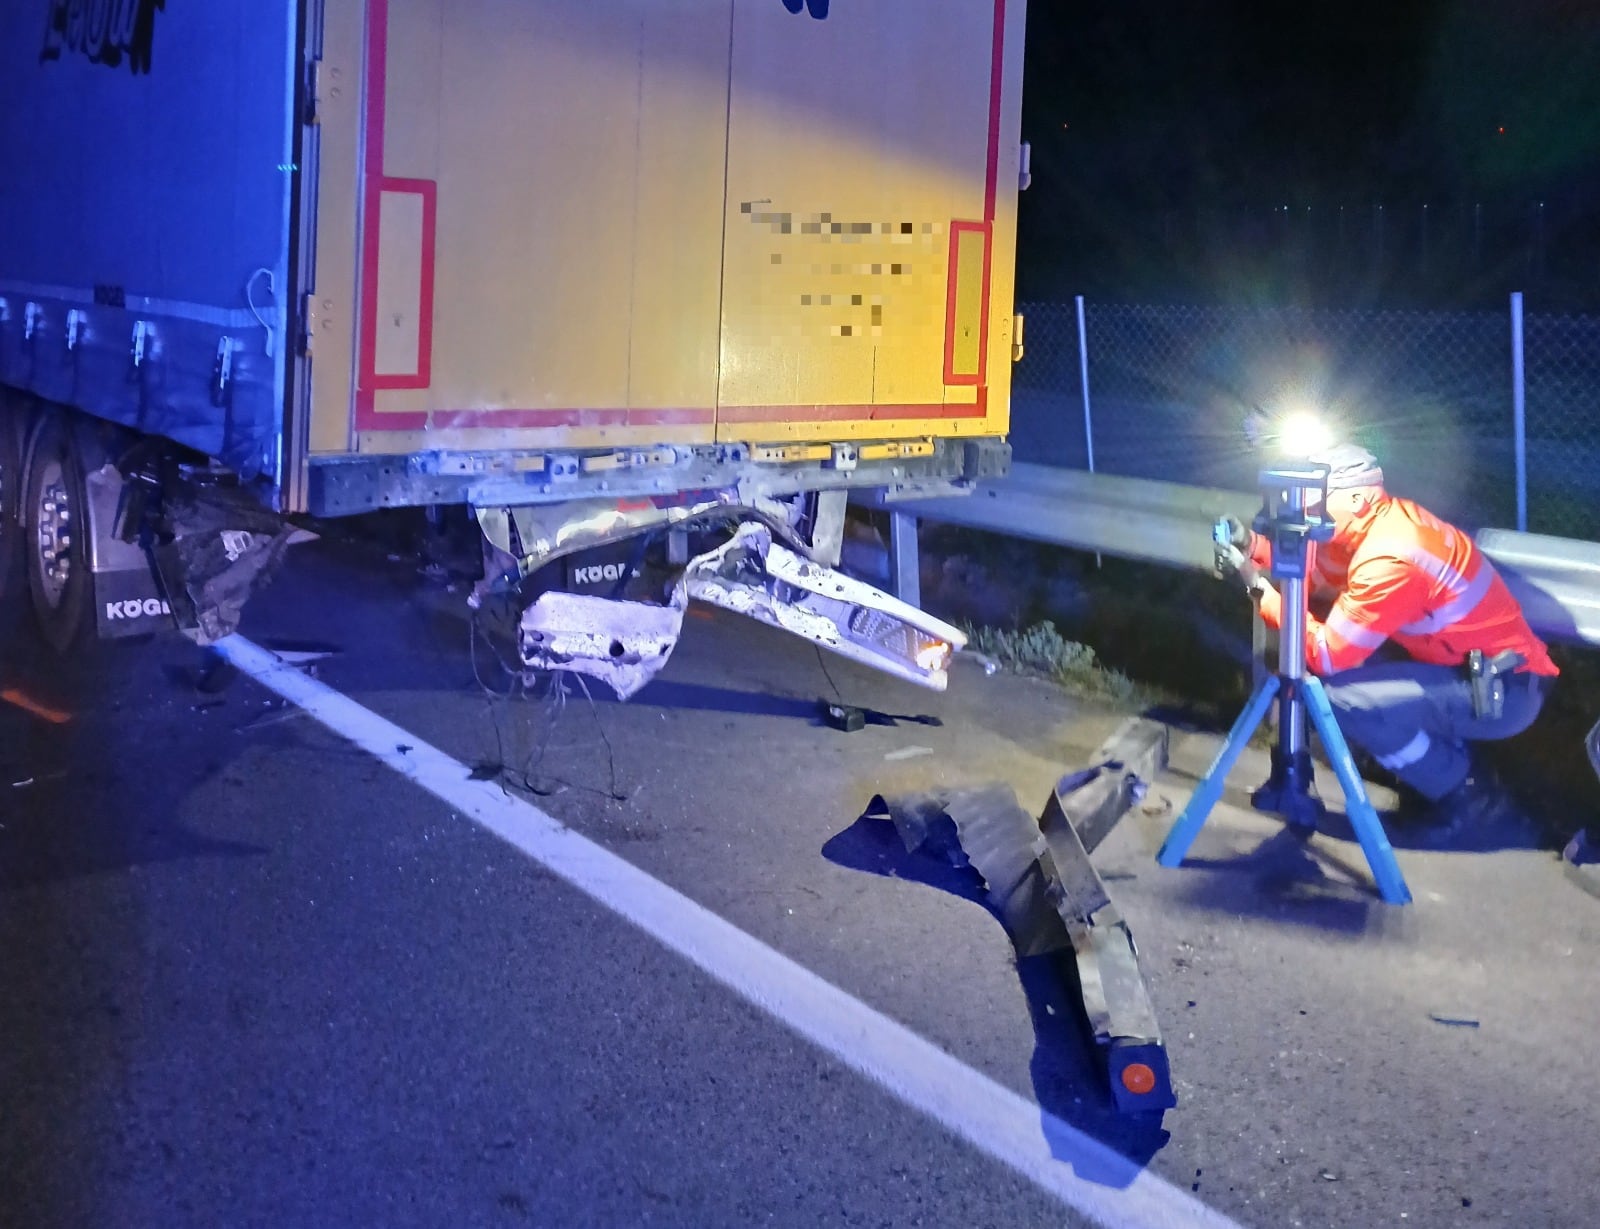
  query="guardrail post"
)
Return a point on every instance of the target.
[
  {"x": 905, "y": 576},
  {"x": 1519, "y": 426}
]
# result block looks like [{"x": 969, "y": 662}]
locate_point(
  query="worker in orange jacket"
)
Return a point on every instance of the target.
[{"x": 1398, "y": 574}]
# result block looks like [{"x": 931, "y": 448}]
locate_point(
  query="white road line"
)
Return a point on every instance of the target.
[{"x": 1079, "y": 1170}]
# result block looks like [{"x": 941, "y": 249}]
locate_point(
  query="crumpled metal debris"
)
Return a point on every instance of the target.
[
  {"x": 1051, "y": 899},
  {"x": 623, "y": 644}
]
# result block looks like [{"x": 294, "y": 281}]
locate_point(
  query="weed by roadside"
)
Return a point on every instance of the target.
[{"x": 1041, "y": 649}]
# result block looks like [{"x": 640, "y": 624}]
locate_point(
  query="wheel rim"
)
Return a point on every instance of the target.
[{"x": 54, "y": 518}]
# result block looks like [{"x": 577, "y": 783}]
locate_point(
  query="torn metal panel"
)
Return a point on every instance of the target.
[
  {"x": 623, "y": 644},
  {"x": 1114, "y": 994},
  {"x": 1004, "y": 845},
  {"x": 1079, "y": 893},
  {"x": 221, "y": 571},
  {"x": 923, "y": 825},
  {"x": 1123, "y": 770},
  {"x": 535, "y": 534},
  {"x": 626, "y": 643},
  {"x": 827, "y": 526},
  {"x": 754, "y": 576}
]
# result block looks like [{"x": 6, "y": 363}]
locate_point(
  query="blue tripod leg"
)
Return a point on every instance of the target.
[
  {"x": 1187, "y": 826},
  {"x": 1368, "y": 827}
]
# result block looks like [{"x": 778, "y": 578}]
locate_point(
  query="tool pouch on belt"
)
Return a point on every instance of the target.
[{"x": 1487, "y": 677}]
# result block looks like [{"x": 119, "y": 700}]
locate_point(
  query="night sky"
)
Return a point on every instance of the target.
[{"x": 1233, "y": 150}]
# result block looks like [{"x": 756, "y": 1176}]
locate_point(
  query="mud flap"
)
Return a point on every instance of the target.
[
  {"x": 128, "y": 600},
  {"x": 129, "y": 603}
]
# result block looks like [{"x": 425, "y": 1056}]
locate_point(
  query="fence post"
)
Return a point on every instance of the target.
[
  {"x": 1519, "y": 424},
  {"x": 1083, "y": 373}
]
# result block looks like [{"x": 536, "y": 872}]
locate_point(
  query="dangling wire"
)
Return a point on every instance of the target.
[{"x": 524, "y": 776}]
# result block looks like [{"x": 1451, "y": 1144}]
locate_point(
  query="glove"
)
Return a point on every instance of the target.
[
  {"x": 1238, "y": 533},
  {"x": 1231, "y": 561}
]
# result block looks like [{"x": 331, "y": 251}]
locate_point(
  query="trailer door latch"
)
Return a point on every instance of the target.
[{"x": 222, "y": 371}]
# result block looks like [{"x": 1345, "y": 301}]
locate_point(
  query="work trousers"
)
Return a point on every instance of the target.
[{"x": 1416, "y": 719}]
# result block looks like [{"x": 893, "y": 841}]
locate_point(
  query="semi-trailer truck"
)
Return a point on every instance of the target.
[{"x": 585, "y": 271}]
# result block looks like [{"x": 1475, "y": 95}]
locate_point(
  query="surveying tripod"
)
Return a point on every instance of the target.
[{"x": 1284, "y": 519}]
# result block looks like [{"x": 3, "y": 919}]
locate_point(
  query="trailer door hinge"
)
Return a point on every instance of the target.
[
  {"x": 222, "y": 371},
  {"x": 308, "y": 323},
  {"x": 313, "y": 92},
  {"x": 141, "y": 339}
]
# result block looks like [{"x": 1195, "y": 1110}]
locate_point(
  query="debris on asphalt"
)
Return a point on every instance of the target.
[
  {"x": 908, "y": 753},
  {"x": 844, "y": 718},
  {"x": 1040, "y": 882},
  {"x": 1453, "y": 1021},
  {"x": 273, "y": 712},
  {"x": 1327, "y": 1175},
  {"x": 989, "y": 664},
  {"x": 20, "y": 784},
  {"x": 300, "y": 652}
]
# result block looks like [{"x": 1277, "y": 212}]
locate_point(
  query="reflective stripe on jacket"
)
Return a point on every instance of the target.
[{"x": 1420, "y": 582}]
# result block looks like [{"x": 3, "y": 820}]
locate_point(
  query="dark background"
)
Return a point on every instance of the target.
[{"x": 1429, "y": 153}]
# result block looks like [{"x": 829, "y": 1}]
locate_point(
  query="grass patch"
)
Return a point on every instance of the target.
[{"x": 1042, "y": 650}]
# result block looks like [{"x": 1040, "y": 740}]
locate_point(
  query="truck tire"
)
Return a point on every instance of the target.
[
  {"x": 55, "y": 543},
  {"x": 10, "y": 502}
]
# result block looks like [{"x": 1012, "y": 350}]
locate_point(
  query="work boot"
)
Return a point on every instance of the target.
[{"x": 1479, "y": 814}]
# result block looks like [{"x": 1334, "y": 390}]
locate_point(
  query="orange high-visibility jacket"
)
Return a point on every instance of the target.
[{"x": 1411, "y": 578}]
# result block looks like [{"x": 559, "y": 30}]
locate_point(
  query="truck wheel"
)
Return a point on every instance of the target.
[{"x": 56, "y": 538}]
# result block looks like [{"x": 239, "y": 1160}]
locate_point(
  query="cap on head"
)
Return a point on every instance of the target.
[{"x": 1349, "y": 465}]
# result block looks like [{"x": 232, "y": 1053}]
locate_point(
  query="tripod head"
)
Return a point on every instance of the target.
[{"x": 1291, "y": 516}]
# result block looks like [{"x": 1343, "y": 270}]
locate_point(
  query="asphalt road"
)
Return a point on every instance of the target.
[{"x": 256, "y": 975}]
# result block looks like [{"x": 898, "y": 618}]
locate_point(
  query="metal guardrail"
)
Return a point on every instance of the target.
[{"x": 1557, "y": 580}]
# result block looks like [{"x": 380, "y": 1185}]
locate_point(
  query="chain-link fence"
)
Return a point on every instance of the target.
[{"x": 1432, "y": 393}]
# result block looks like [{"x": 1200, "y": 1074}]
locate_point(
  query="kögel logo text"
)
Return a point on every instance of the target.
[{"x": 135, "y": 608}]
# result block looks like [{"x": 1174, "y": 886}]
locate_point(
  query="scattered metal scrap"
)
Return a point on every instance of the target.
[{"x": 1047, "y": 892}]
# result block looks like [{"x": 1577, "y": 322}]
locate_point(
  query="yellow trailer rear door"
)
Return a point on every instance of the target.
[{"x": 872, "y": 173}]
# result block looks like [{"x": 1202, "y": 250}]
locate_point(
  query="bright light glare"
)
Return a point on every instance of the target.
[
  {"x": 1302, "y": 433},
  {"x": 933, "y": 655}
]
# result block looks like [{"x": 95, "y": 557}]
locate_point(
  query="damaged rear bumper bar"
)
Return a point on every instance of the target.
[{"x": 625, "y": 644}]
